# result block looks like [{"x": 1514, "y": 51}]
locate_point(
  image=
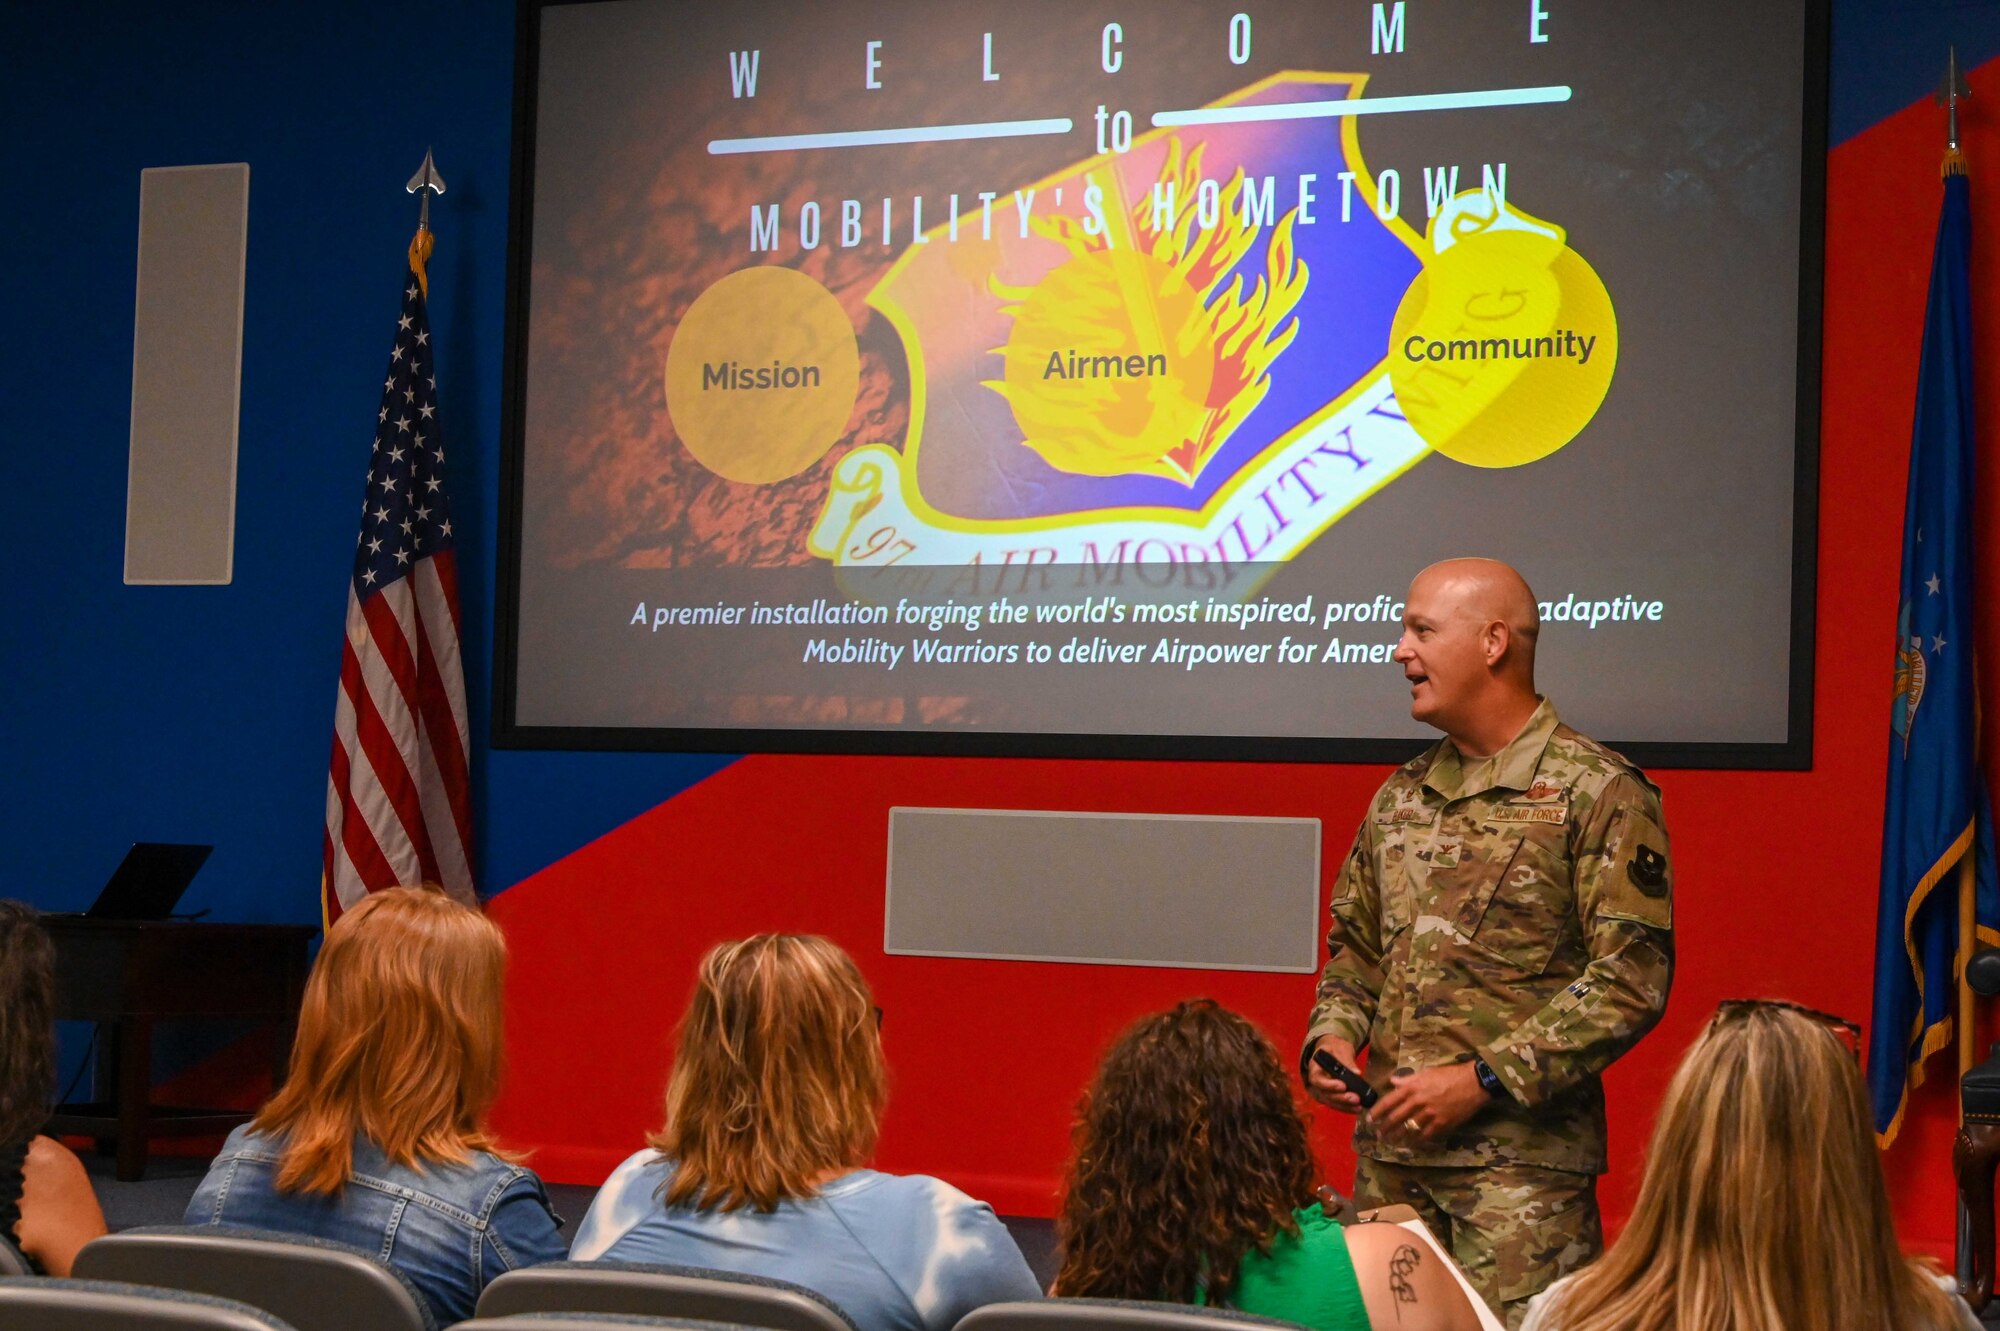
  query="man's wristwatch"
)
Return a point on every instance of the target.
[{"x": 1489, "y": 1080}]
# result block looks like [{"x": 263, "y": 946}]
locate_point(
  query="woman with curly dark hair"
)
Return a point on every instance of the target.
[
  {"x": 47, "y": 1208},
  {"x": 1192, "y": 1182}
]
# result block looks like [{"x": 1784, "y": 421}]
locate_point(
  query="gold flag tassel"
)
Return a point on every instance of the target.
[
  {"x": 425, "y": 183},
  {"x": 421, "y": 245}
]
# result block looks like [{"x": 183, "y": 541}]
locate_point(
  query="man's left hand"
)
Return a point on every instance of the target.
[{"x": 1424, "y": 1106}]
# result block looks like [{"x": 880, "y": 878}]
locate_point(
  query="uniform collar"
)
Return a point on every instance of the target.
[{"x": 1513, "y": 768}]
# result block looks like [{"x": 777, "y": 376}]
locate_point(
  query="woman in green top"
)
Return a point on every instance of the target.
[{"x": 1192, "y": 1182}]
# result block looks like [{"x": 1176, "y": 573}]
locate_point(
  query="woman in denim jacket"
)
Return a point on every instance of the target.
[{"x": 378, "y": 1138}]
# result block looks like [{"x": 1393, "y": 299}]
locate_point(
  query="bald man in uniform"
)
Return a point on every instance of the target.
[{"x": 1502, "y": 931}]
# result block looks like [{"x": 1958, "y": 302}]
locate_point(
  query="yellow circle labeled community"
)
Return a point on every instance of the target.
[
  {"x": 1503, "y": 347},
  {"x": 762, "y": 375}
]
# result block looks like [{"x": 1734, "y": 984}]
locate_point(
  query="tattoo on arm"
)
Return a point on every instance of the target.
[{"x": 1401, "y": 1267}]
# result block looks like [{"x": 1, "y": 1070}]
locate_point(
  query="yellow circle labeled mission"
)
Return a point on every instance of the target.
[
  {"x": 1503, "y": 348},
  {"x": 762, "y": 375}
]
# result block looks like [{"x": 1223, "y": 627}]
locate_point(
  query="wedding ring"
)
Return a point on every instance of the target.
[{"x": 1413, "y": 1125}]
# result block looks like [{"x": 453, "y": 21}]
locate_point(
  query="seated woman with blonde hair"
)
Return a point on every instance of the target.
[
  {"x": 378, "y": 1137},
  {"x": 774, "y": 1103},
  {"x": 1192, "y": 1182},
  {"x": 47, "y": 1207},
  {"x": 1763, "y": 1206}
]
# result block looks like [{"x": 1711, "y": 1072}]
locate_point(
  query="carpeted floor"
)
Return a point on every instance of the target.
[{"x": 161, "y": 1198}]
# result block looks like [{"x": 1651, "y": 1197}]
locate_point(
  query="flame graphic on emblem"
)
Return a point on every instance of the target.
[{"x": 1131, "y": 357}]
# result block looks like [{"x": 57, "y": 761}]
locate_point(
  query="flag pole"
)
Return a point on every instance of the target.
[
  {"x": 1968, "y": 1052},
  {"x": 1949, "y": 91}
]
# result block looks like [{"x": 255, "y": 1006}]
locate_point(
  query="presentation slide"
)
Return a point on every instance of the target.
[{"x": 1092, "y": 377}]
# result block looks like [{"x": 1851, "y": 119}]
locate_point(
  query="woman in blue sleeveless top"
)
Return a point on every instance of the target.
[{"x": 773, "y": 1106}]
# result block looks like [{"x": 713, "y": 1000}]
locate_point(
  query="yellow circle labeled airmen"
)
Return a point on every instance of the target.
[
  {"x": 1504, "y": 347},
  {"x": 762, "y": 375},
  {"x": 1110, "y": 366}
]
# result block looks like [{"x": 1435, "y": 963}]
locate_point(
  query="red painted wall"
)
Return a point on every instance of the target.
[{"x": 1776, "y": 871}]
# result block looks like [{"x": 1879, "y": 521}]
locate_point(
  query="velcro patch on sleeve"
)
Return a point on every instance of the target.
[{"x": 1638, "y": 882}]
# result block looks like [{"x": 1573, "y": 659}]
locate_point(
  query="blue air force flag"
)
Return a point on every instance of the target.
[{"x": 1936, "y": 801}]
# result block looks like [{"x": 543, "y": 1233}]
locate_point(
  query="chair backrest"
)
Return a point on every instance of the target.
[
  {"x": 13, "y": 1262},
  {"x": 590, "y": 1322},
  {"x": 1112, "y": 1315},
  {"x": 313, "y": 1284},
  {"x": 651, "y": 1290},
  {"x": 42, "y": 1303}
]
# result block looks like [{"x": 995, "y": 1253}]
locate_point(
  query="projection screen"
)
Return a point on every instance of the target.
[{"x": 1092, "y": 377}]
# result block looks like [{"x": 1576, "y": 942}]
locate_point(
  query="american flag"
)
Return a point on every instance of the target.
[{"x": 398, "y": 795}]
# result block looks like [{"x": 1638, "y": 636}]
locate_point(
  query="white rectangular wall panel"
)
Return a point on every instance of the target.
[
  {"x": 1211, "y": 893},
  {"x": 187, "y": 370}
]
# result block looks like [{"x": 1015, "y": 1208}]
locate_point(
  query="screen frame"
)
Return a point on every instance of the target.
[{"x": 1794, "y": 753}]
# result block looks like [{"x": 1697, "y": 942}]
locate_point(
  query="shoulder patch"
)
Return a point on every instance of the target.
[{"x": 1648, "y": 870}]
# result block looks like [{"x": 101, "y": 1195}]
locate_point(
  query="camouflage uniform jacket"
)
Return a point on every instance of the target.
[{"x": 1517, "y": 909}]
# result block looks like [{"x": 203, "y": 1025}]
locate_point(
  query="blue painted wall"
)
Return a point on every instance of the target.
[{"x": 205, "y": 713}]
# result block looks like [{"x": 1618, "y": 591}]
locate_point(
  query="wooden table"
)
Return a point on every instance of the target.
[{"x": 129, "y": 975}]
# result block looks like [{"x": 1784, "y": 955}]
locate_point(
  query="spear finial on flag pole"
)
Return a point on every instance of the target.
[
  {"x": 423, "y": 184},
  {"x": 1949, "y": 91}
]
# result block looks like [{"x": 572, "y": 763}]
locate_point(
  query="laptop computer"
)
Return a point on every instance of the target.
[{"x": 148, "y": 882}]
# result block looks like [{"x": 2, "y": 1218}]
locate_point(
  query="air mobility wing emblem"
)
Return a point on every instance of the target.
[{"x": 1174, "y": 354}]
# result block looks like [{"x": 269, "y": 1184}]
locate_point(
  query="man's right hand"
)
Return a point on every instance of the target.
[{"x": 1327, "y": 1090}]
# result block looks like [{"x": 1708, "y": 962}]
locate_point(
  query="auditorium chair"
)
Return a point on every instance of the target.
[
  {"x": 311, "y": 1284},
  {"x": 589, "y": 1322},
  {"x": 1977, "y": 1148},
  {"x": 13, "y": 1262},
  {"x": 42, "y": 1303},
  {"x": 689, "y": 1293},
  {"x": 1112, "y": 1315}
]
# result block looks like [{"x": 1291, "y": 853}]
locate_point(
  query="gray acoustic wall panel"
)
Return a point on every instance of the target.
[
  {"x": 1116, "y": 889},
  {"x": 187, "y": 369}
]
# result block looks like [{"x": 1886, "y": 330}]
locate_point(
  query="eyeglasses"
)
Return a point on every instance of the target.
[{"x": 1846, "y": 1031}]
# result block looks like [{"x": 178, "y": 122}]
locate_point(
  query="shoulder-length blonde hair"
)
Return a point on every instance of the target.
[
  {"x": 779, "y": 1077},
  {"x": 1763, "y": 1206},
  {"x": 399, "y": 1041}
]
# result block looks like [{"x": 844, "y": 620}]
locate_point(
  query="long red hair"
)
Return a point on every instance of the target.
[{"x": 399, "y": 1041}]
